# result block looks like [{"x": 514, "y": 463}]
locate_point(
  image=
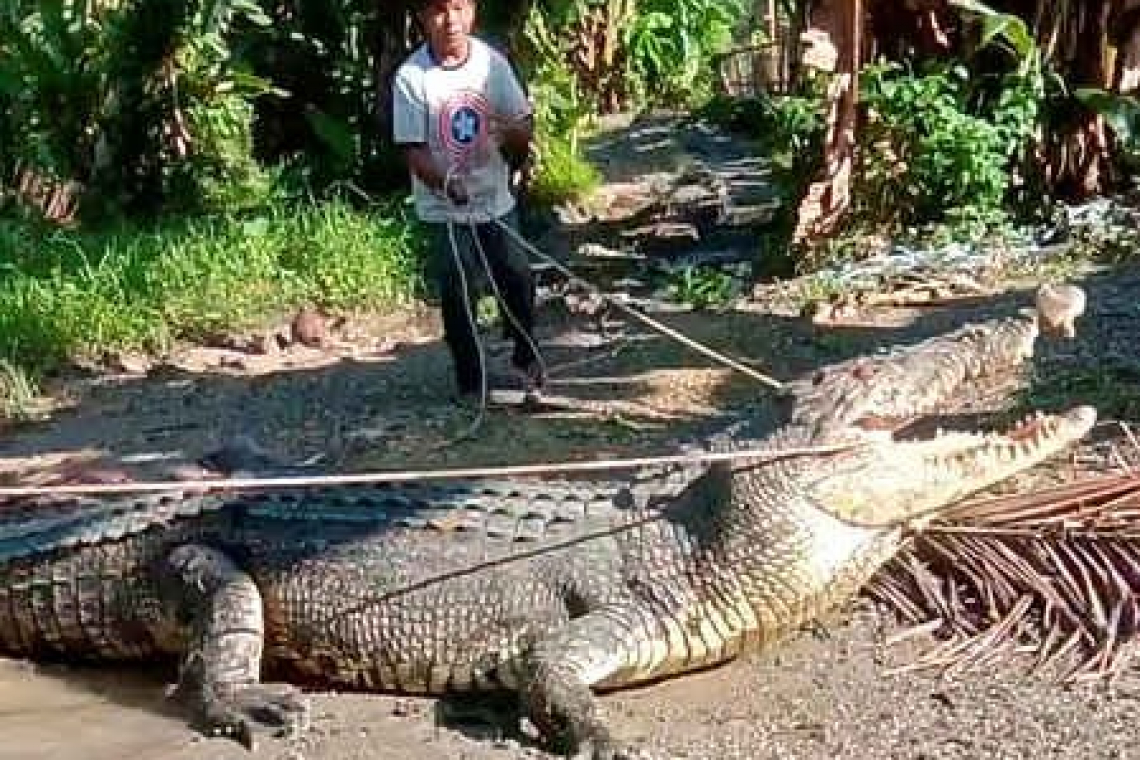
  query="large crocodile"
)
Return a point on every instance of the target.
[{"x": 550, "y": 590}]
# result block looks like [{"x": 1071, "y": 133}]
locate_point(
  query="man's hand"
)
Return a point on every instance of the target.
[
  {"x": 423, "y": 165},
  {"x": 455, "y": 190}
]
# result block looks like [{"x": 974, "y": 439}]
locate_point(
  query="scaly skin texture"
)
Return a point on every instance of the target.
[
  {"x": 871, "y": 392},
  {"x": 351, "y": 587}
]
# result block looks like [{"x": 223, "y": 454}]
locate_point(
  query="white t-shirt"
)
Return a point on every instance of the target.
[{"x": 448, "y": 109}]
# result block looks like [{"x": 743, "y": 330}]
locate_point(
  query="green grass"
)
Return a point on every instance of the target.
[
  {"x": 562, "y": 174},
  {"x": 65, "y": 294},
  {"x": 701, "y": 287},
  {"x": 20, "y": 399}
]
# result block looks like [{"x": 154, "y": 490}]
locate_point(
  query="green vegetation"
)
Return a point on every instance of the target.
[
  {"x": 702, "y": 287},
  {"x": 587, "y": 57},
  {"x": 945, "y": 140},
  {"x": 189, "y": 106},
  {"x": 200, "y": 154},
  {"x": 562, "y": 118},
  {"x": 669, "y": 45},
  {"x": 20, "y": 399},
  {"x": 561, "y": 174},
  {"x": 630, "y": 55},
  {"x": 145, "y": 105},
  {"x": 788, "y": 130},
  {"x": 65, "y": 294}
]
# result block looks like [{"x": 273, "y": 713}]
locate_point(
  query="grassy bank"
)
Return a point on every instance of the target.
[{"x": 65, "y": 294}]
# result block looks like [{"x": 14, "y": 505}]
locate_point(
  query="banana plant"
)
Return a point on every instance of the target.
[
  {"x": 52, "y": 79},
  {"x": 669, "y": 42},
  {"x": 111, "y": 96}
]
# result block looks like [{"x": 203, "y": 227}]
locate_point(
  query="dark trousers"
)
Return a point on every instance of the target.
[{"x": 510, "y": 268}]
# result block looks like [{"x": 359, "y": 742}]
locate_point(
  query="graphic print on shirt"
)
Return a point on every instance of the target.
[{"x": 463, "y": 127}]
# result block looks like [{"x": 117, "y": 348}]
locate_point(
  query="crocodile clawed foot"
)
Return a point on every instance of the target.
[{"x": 278, "y": 710}]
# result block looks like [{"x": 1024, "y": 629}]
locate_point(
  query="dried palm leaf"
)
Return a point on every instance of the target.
[{"x": 1054, "y": 573}]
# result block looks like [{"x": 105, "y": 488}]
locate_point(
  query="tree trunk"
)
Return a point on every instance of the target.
[
  {"x": 1091, "y": 170},
  {"x": 1125, "y": 26},
  {"x": 838, "y": 22},
  {"x": 390, "y": 48}
]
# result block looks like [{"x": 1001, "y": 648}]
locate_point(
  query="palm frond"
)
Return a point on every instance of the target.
[{"x": 1052, "y": 576}]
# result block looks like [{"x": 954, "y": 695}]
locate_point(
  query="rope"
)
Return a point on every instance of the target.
[
  {"x": 477, "y": 422},
  {"x": 546, "y": 468},
  {"x": 511, "y": 316},
  {"x": 484, "y": 382},
  {"x": 645, "y": 318}
]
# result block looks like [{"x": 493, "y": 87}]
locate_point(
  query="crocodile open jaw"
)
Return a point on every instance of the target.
[{"x": 900, "y": 482}]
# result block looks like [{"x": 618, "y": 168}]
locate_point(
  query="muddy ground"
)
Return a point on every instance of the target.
[{"x": 376, "y": 395}]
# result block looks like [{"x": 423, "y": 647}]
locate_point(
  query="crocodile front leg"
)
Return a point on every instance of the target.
[
  {"x": 219, "y": 677},
  {"x": 559, "y": 673}
]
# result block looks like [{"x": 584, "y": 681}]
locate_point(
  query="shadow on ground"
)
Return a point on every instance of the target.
[{"x": 634, "y": 393}]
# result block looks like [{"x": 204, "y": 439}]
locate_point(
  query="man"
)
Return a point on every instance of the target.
[{"x": 462, "y": 118}]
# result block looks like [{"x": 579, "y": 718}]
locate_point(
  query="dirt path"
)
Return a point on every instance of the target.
[{"x": 376, "y": 396}]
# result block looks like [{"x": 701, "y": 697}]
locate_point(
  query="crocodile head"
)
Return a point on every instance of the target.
[
  {"x": 877, "y": 394},
  {"x": 891, "y": 483}
]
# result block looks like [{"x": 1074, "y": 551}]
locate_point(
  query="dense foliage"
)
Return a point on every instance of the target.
[
  {"x": 151, "y": 106},
  {"x": 141, "y": 287},
  {"x": 140, "y": 105},
  {"x": 946, "y": 140},
  {"x": 977, "y": 136}
]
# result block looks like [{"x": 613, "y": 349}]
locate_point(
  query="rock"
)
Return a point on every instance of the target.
[
  {"x": 756, "y": 213},
  {"x": 598, "y": 251},
  {"x": 570, "y": 214},
  {"x": 585, "y": 304},
  {"x": 692, "y": 195},
  {"x": 129, "y": 362},
  {"x": 716, "y": 257},
  {"x": 309, "y": 328}
]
